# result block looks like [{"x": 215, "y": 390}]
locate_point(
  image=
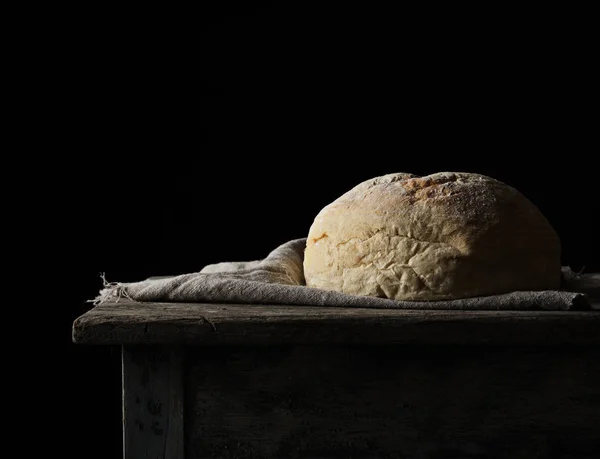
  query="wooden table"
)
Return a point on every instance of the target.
[{"x": 248, "y": 381}]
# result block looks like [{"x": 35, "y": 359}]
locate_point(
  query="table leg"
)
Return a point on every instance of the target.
[{"x": 152, "y": 402}]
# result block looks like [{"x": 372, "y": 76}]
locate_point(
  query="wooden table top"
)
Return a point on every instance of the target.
[{"x": 127, "y": 322}]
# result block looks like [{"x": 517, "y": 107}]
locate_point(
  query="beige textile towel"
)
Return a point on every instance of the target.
[{"x": 279, "y": 279}]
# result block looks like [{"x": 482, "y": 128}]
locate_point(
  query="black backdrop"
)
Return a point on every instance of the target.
[{"x": 216, "y": 135}]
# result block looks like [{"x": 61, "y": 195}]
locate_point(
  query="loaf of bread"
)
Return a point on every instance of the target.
[{"x": 443, "y": 236}]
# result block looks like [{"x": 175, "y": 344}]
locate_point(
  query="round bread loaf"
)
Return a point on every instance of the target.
[{"x": 443, "y": 236}]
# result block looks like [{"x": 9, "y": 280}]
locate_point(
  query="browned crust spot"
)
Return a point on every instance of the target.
[{"x": 322, "y": 236}]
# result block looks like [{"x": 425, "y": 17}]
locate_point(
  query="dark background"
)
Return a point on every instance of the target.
[{"x": 193, "y": 137}]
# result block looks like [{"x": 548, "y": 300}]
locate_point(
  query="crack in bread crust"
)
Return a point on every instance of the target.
[
  {"x": 397, "y": 235},
  {"x": 394, "y": 256}
]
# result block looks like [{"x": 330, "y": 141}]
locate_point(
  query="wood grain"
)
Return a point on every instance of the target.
[
  {"x": 152, "y": 402},
  {"x": 127, "y": 322}
]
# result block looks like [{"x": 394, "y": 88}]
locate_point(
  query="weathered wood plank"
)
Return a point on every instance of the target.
[
  {"x": 152, "y": 402},
  {"x": 126, "y": 322},
  {"x": 393, "y": 401}
]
